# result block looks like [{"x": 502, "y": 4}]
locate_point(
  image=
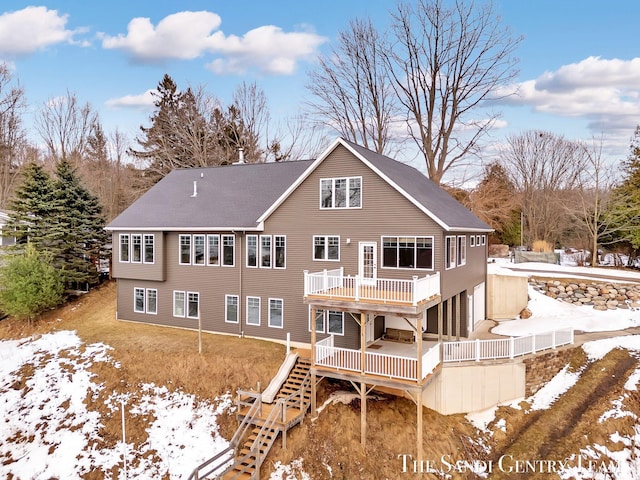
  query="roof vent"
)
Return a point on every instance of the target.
[
  {"x": 195, "y": 189},
  {"x": 240, "y": 156}
]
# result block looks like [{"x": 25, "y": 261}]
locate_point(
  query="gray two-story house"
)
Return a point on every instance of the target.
[{"x": 244, "y": 249}]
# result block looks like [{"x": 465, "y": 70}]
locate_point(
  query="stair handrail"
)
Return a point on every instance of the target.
[
  {"x": 300, "y": 391},
  {"x": 220, "y": 458},
  {"x": 254, "y": 450}
]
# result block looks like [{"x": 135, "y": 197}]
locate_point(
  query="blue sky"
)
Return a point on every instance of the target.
[{"x": 579, "y": 59}]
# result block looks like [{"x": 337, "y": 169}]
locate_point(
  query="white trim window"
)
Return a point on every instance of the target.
[
  {"x": 124, "y": 248},
  {"x": 149, "y": 248},
  {"x": 228, "y": 250},
  {"x": 199, "y": 249},
  {"x": 331, "y": 320},
  {"x": 478, "y": 240},
  {"x": 253, "y": 311},
  {"x": 265, "y": 251},
  {"x": 252, "y": 251},
  {"x": 185, "y": 250},
  {"x": 136, "y": 248},
  {"x": 193, "y": 305},
  {"x": 484, "y": 240},
  {"x": 343, "y": 192},
  {"x": 280, "y": 251},
  {"x": 407, "y": 252},
  {"x": 326, "y": 247},
  {"x": 462, "y": 250},
  {"x": 319, "y": 320},
  {"x": 472, "y": 240},
  {"x": 145, "y": 300},
  {"x": 178, "y": 303},
  {"x": 450, "y": 252},
  {"x": 213, "y": 250},
  {"x": 231, "y": 308},
  {"x": 276, "y": 312},
  {"x": 138, "y": 300},
  {"x": 335, "y": 322}
]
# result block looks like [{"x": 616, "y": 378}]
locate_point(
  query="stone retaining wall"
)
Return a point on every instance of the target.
[
  {"x": 543, "y": 367},
  {"x": 601, "y": 296}
]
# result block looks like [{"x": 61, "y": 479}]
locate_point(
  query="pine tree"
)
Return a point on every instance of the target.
[
  {"x": 77, "y": 229},
  {"x": 31, "y": 209},
  {"x": 29, "y": 284}
]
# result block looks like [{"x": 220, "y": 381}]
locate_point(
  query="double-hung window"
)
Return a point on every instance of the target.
[
  {"x": 450, "y": 252},
  {"x": 186, "y": 304},
  {"x": 136, "y": 248},
  {"x": 199, "y": 248},
  {"x": 326, "y": 247},
  {"x": 145, "y": 300},
  {"x": 252, "y": 251},
  {"x": 280, "y": 251},
  {"x": 228, "y": 250},
  {"x": 185, "y": 249},
  {"x": 265, "y": 251},
  {"x": 276, "y": 308},
  {"x": 124, "y": 247},
  {"x": 341, "y": 192},
  {"x": 231, "y": 308},
  {"x": 462, "y": 250},
  {"x": 213, "y": 244},
  {"x": 331, "y": 322},
  {"x": 149, "y": 248},
  {"x": 253, "y": 311}
]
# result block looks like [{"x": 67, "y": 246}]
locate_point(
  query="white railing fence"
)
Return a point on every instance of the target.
[
  {"x": 476, "y": 350},
  {"x": 334, "y": 284}
]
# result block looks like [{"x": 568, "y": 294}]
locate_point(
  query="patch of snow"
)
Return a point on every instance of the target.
[
  {"x": 550, "y": 314},
  {"x": 291, "y": 471},
  {"x": 48, "y": 431},
  {"x": 558, "y": 385},
  {"x": 597, "y": 349}
]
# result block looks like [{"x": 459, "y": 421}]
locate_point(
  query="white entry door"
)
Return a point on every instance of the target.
[{"x": 368, "y": 263}]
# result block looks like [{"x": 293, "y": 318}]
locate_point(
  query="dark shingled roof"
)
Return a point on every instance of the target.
[
  {"x": 442, "y": 206},
  {"x": 236, "y": 196},
  {"x": 232, "y": 196}
]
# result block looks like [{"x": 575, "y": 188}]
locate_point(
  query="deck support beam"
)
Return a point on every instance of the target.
[
  {"x": 313, "y": 362},
  {"x": 419, "y": 449},
  {"x": 457, "y": 317},
  {"x": 440, "y": 328},
  {"x": 449, "y": 322},
  {"x": 363, "y": 415}
]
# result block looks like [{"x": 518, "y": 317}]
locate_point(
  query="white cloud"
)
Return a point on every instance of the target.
[
  {"x": 592, "y": 72},
  {"x": 142, "y": 101},
  {"x": 31, "y": 29},
  {"x": 188, "y": 35}
]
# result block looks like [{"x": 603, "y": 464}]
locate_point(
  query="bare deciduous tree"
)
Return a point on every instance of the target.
[
  {"x": 65, "y": 126},
  {"x": 545, "y": 168},
  {"x": 12, "y": 137},
  {"x": 446, "y": 63},
  {"x": 353, "y": 93}
]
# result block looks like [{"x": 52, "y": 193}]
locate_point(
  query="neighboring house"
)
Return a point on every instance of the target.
[
  {"x": 311, "y": 249},
  {"x": 5, "y": 240}
]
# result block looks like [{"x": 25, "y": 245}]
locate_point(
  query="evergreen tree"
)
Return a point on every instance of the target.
[
  {"x": 31, "y": 209},
  {"x": 77, "y": 229},
  {"x": 623, "y": 210},
  {"x": 29, "y": 284}
]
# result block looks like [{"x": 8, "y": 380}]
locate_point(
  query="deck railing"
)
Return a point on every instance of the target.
[
  {"x": 494, "y": 349},
  {"x": 402, "y": 367},
  {"x": 392, "y": 366},
  {"x": 334, "y": 284}
]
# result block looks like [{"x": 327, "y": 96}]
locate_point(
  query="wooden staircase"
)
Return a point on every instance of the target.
[{"x": 246, "y": 450}]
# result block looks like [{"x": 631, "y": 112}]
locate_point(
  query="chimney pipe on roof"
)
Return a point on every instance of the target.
[
  {"x": 195, "y": 189},
  {"x": 240, "y": 155}
]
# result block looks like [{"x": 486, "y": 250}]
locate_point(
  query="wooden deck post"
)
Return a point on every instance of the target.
[
  {"x": 313, "y": 361},
  {"x": 419, "y": 449},
  {"x": 449, "y": 319},
  {"x": 363, "y": 342},
  {"x": 440, "y": 328},
  {"x": 363, "y": 415},
  {"x": 458, "y": 317},
  {"x": 419, "y": 349}
]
